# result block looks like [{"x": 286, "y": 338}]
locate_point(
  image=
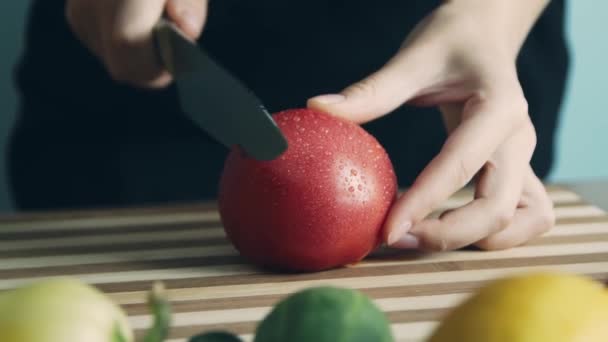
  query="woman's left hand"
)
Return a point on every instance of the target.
[{"x": 463, "y": 62}]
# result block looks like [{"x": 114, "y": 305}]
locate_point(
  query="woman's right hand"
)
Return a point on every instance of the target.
[{"x": 119, "y": 33}]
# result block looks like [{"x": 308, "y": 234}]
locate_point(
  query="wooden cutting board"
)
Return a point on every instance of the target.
[{"x": 211, "y": 287}]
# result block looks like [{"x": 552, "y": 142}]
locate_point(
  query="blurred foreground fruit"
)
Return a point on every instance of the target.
[
  {"x": 320, "y": 205},
  {"x": 325, "y": 314},
  {"x": 61, "y": 310},
  {"x": 535, "y": 307}
]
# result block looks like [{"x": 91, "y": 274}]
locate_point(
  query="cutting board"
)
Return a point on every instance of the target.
[{"x": 123, "y": 251}]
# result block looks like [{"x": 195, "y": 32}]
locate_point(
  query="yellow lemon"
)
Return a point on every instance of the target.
[
  {"x": 531, "y": 307},
  {"x": 61, "y": 310}
]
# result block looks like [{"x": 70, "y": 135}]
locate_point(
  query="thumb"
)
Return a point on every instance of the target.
[
  {"x": 189, "y": 15},
  {"x": 378, "y": 94}
]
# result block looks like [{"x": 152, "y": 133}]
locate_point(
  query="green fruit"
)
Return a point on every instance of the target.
[
  {"x": 325, "y": 314},
  {"x": 61, "y": 310}
]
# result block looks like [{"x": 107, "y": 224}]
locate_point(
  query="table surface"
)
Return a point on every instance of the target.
[
  {"x": 123, "y": 251},
  {"x": 595, "y": 192}
]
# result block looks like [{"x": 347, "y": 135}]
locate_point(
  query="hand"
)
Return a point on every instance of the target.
[
  {"x": 455, "y": 60},
  {"x": 119, "y": 32}
]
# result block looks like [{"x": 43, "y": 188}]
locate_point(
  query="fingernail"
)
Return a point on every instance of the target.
[
  {"x": 407, "y": 241},
  {"x": 398, "y": 232},
  {"x": 190, "y": 21},
  {"x": 329, "y": 99}
]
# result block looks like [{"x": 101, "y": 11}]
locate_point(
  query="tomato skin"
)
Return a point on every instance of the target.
[{"x": 320, "y": 205}]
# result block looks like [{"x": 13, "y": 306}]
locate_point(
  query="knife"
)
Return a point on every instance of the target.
[{"x": 216, "y": 101}]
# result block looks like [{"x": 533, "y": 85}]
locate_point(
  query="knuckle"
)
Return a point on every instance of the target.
[
  {"x": 117, "y": 58},
  {"x": 368, "y": 86},
  {"x": 546, "y": 220},
  {"x": 464, "y": 174},
  {"x": 503, "y": 219},
  {"x": 502, "y": 213}
]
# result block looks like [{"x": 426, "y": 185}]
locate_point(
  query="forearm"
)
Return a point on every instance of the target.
[{"x": 510, "y": 21}]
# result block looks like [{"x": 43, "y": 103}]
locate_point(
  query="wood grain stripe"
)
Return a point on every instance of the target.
[
  {"x": 186, "y": 239},
  {"x": 193, "y": 289},
  {"x": 168, "y": 239},
  {"x": 169, "y": 215},
  {"x": 409, "y": 291},
  {"x": 409, "y": 332},
  {"x": 222, "y": 248},
  {"x": 107, "y": 219},
  {"x": 239, "y": 269},
  {"x": 10, "y": 241},
  {"x": 49, "y": 250},
  {"x": 403, "y": 332},
  {"x": 245, "y": 327},
  {"x": 118, "y": 239},
  {"x": 567, "y": 229},
  {"x": 251, "y": 314},
  {"x": 48, "y": 234},
  {"x": 460, "y": 289},
  {"x": 578, "y": 211},
  {"x": 205, "y": 258}
]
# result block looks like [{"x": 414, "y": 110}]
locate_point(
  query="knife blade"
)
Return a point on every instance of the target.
[{"x": 215, "y": 100}]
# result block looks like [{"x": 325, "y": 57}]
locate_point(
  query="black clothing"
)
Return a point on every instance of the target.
[{"x": 83, "y": 140}]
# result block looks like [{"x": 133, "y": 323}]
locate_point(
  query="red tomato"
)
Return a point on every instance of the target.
[{"x": 320, "y": 205}]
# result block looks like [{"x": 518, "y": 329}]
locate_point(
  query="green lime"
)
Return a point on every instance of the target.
[{"x": 325, "y": 314}]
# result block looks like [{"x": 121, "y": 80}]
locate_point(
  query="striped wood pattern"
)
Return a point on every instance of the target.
[{"x": 123, "y": 251}]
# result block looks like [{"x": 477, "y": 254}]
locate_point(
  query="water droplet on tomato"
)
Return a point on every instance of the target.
[
  {"x": 351, "y": 189},
  {"x": 360, "y": 187},
  {"x": 353, "y": 172}
]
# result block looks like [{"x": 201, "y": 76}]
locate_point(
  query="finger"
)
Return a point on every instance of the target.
[
  {"x": 486, "y": 124},
  {"x": 534, "y": 217},
  {"x": 128, "y": 47},
  {"x": 189, "y": 15},
  {"x": 498, "y": 190},
  {"x": 383, "y": 91}
]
